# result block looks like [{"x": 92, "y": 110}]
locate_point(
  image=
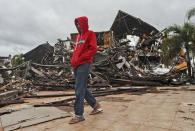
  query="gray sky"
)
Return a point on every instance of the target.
[{"x": 24, "y": 24}]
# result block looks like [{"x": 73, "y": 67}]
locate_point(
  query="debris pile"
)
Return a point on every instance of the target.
[{"x": 128, "y": 54}]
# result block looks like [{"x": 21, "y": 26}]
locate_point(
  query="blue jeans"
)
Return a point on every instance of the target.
[{"x": 81, "y": 76}]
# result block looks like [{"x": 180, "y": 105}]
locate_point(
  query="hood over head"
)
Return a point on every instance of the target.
[{"x": 83, "y": 22}]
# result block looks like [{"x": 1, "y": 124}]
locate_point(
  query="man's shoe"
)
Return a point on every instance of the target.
[
  {"x": 76, "y": 119},
  {"x": 96, "y": 110}
]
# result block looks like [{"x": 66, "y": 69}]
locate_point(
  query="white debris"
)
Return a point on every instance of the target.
[
  {"x": 160, "y": 70},
  {"x": 133, "y": 40},
  {"x": 120, "y": 65}
]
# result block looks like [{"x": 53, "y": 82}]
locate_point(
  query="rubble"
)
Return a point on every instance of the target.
[
  {"x": 128, "y": 55},
  {"x": 5, "y": 62}
]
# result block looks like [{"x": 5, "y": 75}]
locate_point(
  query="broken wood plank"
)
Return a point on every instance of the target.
[
  {"x": 95, "y": 94},
  {"x": 52, "y": 104},
  {"x": 37, "y": 72},
  {"x": 6, "y": 69},
  {"x": 56, "y": 66},
  {"x": 135, "y": 82},
  {"x": 8, "y": 95},
  {"x": 5, "y": 103},
  {"x": 43, "y": 96}
]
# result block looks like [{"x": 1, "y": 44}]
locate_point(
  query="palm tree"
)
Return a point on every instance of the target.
[
  {"x": 181, "y": 36},
  {"x": 190, "y": 14}
]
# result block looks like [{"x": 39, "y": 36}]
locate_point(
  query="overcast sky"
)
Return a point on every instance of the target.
[{"x": 24, "y": 24}]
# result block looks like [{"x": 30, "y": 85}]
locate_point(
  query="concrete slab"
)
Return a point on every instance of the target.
[{"x": 31, "y": 116}]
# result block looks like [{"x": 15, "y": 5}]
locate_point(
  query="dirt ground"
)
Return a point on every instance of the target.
[{"x": 172, "y": 110}]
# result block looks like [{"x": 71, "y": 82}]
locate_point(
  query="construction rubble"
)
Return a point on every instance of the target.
[{"x": 128, "y": 55}]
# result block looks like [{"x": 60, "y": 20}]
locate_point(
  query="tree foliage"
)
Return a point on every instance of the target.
[
  {"x": 179, "y": 37},
  {"x": 190, "y": 13},
  {"x": 17, "y": 60}
]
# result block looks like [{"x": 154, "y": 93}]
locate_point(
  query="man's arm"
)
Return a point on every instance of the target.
[{"x": 92, "y": 48}]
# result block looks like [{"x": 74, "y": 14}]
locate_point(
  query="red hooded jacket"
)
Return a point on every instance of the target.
[{"x": 85, "y": 44}]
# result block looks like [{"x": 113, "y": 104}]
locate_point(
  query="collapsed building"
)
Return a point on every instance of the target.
[
  {"x": 126, "y": 24},
  {"x": 132, "y": 31},
  {"x": 128, "y": 54},
  {"x": 41, "y": 54},
  {"x": 126, "y": 30}
]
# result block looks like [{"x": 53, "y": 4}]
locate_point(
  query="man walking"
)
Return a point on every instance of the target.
[{"x": 84, "y": 49}]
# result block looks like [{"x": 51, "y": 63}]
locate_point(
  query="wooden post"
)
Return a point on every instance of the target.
[{"x": 28, "y": 67}]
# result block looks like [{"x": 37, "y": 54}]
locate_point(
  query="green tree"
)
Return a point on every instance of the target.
[
  {"x": 17, "y": 60},
  {"x": 178, "y": 37},
  {"x": 190, "y": 14}
]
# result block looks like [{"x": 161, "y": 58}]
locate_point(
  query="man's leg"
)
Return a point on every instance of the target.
[
  {"x": 80, "y": 88},
  {"x": 75, "y": 76},
  {"x": 93, "y": 103},
  {"x": 90, "y": 99}
]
